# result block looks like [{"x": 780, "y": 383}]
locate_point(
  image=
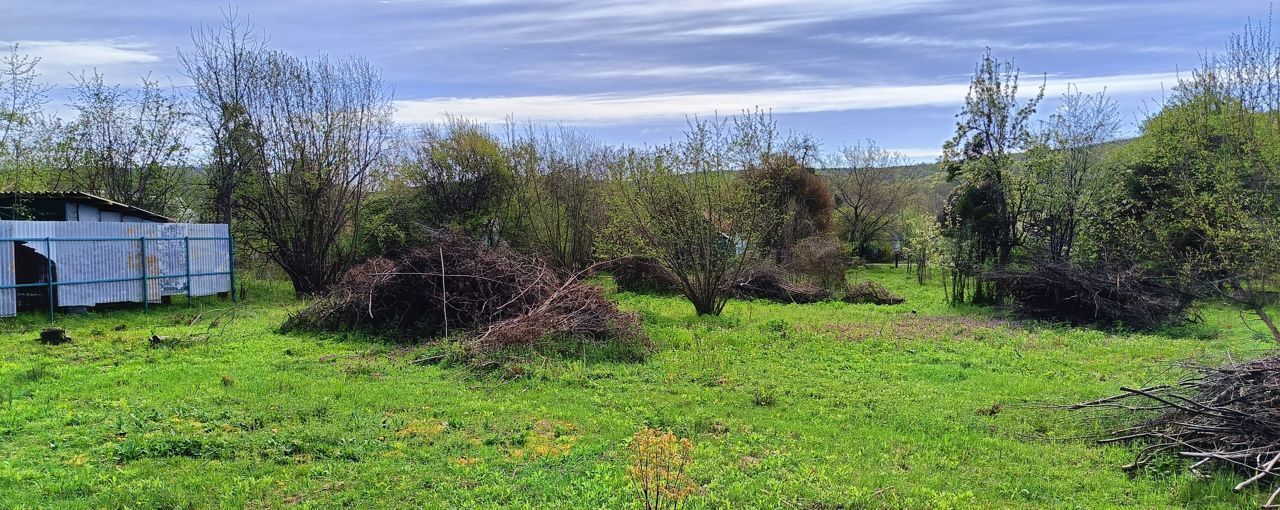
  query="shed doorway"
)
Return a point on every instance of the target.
[{"x": 32, "y": 267}]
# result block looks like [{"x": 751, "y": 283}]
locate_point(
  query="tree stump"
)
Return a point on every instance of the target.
[{"x": 54, "y": 336}]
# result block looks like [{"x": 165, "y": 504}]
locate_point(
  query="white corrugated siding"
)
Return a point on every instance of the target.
[
  {"x": 102, "y": 260},
  {"x": 8, "y": 297}
]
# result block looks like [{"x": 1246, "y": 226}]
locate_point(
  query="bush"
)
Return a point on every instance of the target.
[
  {"x": 820, "y": 258},
  {"x": 871, "y": 292},
  {"x": 454, "y": 283},
  {"x": 659, "y": 460}
]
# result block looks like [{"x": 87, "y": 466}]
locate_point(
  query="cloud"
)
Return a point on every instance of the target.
[
  {"x": 88, "y": 53},
  {"x": 908, "y": 41},
  {"x": 670, "y": 72},
  {"x": 615, "y": 109},
  {"x": 630, "y": 21}
]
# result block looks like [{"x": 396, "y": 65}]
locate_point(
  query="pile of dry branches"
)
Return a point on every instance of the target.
[
  {"x": 774, "y": 284},
  {"x": 640, "y": 274},
  {"x": 1070, "y": 293},
  {"x": 1224, "y": 417},
  {"x": 455, "y": 284},
  {"x": 871, "y": 292}
]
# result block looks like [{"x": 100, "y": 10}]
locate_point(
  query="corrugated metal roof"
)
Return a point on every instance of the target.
[{"x": 87, "y": 198}]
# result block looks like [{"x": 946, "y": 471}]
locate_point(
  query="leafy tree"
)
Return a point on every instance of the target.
[
  {"x": 1197, "y": 198},
  {"x": 985, "y": 211},
  {"x": 800, "y": 202},
  {"x": 921, "y": 242},
  {"x": 461, "y": 176},
  {"x": 1064, "y": 169}
]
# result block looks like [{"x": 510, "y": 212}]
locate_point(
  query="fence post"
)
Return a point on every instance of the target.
[
  {"x": 231, "y": 261},
  {"x": 48, "y": 276},
  {"x": 186, "y": 244},
  {"x": 146, "y": 298}
]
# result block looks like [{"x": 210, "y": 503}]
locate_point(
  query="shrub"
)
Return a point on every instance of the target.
[
  {"x": 658, "y": 463},
  {"x": 820, "y": 258}
]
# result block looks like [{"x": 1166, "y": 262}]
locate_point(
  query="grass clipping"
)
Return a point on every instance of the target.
[
  {"x": 454, "y": 285},
  {"x": 1226, "y": 417}
]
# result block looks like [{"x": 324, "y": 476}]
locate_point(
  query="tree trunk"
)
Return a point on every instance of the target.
[
  {"x": 706, "y": 305},
  {"x": 1261, "y": 310}
]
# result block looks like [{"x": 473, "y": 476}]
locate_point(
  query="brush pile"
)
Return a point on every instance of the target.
[
  {"x": 871, "y": 292},
  {"x": 1227, "y": 417},
  {"x": 1108, "y": 296},
  {"x": 774, "y": 284},
  {"x": 641, "y": 275},
  {"x": 453, "y": 284}
]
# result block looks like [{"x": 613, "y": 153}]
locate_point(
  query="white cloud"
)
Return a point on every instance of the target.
[
  {"x": 748, "y": 28},
  {"x": 908, "y": 41},
  {"x": 670, "y": 72},
  {"x": 611, "y": 21},
  {"x": 617, "y": 108},
  {"x": 89, "y": 53}
]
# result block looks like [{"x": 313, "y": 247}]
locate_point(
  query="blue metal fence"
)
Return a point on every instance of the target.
[{"x": 51, "y": 283}]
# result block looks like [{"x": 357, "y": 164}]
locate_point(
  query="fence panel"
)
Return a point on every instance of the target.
[{"x": 92, "y": 263}]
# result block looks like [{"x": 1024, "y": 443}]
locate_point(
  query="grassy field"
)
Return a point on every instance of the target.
[{"x": 819, "y": 406}]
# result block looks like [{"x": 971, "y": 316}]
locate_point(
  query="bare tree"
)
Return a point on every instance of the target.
[
  {"x": 559, "y": 200},
  {"x": 22, "y": 98},
  {"x": 682, "y": 207},
  {"x": 322, "y": 127},
  {"x": 223, "y": 66},
  {"x": 868, "y": 194},
  {"x": 126, "y": 145}
]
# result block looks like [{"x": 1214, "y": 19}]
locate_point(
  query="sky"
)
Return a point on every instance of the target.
[{"x": 631, "y": 72}]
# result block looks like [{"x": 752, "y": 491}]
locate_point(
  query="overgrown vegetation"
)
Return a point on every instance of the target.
[
  {"x": 819, "y": 405},
  {"x": 729, "y": 249}
]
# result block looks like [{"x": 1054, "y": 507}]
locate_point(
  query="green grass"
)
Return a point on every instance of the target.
[{"x": 790, "y": 406}]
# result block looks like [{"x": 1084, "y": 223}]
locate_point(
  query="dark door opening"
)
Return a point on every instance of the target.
[{"x": 31, "y": 267}]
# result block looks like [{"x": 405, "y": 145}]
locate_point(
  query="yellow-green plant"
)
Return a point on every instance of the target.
[{"x": 659, "y": 460}]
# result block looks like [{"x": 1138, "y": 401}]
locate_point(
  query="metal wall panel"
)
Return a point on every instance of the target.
[
  {"x": 120, "y": 257},
  {"x": 8, "y": 297}
]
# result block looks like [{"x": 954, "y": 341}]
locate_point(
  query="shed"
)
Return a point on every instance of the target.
[
  {"x": 72, "y": 206},
  {"x": 77, "y": 250}
]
